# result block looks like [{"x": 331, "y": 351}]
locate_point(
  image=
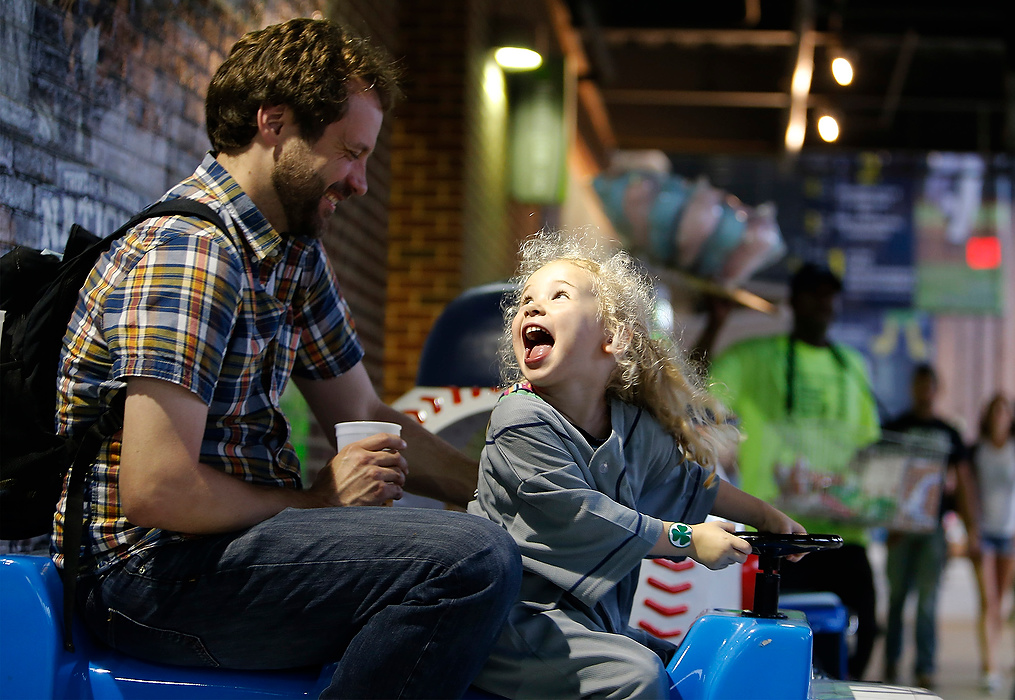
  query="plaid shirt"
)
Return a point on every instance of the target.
[{"x": 228, "y": 317}]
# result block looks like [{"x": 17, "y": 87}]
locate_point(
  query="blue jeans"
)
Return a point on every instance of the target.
[
  {"x": 915, "y": 560},
  {"x": 409, "y": 601}
]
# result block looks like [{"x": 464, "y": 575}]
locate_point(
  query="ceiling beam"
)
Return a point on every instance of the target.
[
  {"x": 780, "y": 100},
  {"x": 699, "y": 37},
  {"x": 784, "y": 38},
  {"x": 589, "y": 96},
  {"x": 697, "y": 98}
]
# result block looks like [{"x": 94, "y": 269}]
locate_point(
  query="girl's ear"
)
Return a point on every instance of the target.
[{"x": 617, "y": 342}]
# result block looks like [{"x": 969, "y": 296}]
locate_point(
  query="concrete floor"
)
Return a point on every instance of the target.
[{"x": 958, "y": 675}]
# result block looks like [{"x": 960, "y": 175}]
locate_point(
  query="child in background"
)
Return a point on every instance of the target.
[{"x": 601, "y": 454}]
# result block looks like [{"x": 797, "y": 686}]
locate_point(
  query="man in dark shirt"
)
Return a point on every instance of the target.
[{"x": 915, "y": 559}]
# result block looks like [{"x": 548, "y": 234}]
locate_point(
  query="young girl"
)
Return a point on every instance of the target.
[
  {"x": 994, "y": 465},
  {"x": 601, "y": 455}
]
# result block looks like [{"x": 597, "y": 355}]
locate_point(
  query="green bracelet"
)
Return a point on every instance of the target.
[{"x": 679, "y": 535}]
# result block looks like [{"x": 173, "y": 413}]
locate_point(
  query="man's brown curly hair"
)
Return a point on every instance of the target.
[{"x": 309, "y": 65}]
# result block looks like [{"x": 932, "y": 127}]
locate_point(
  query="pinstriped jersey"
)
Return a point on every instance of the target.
[{"x": 584, "y": 516}]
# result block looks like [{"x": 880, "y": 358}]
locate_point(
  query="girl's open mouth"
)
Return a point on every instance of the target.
[{"x": 538, "y": 343}]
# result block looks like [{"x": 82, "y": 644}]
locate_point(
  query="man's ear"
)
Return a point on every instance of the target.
[{"x": 270, "y": 121}]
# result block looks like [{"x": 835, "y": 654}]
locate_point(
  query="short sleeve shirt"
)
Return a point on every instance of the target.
[
  {"x": 229, "y": 317},
  {"x": 832, "y": 412},
  {"x": 584, "y": 516},
  {"x": 938, "y": 438}
]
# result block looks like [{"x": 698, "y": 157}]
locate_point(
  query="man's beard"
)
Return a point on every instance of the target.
[{"x": 300, "y": 189}]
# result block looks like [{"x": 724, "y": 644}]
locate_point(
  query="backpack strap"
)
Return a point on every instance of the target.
[
  {"x": 106, "y": 426},
  {"x": 73, "y": 522},
  {"x": 181, "y": 206}
]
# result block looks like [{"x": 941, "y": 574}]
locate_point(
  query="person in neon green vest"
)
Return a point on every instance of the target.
[{"x": 805, "y": 406}]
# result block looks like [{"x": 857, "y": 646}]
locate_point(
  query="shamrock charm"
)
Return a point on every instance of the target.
[{"x": 680, "y": 535}]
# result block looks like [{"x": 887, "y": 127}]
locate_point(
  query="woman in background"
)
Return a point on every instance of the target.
[{"x": 994, "y": 464}]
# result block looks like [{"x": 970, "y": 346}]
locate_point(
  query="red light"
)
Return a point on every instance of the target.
[{"x": 983, "y": 252}]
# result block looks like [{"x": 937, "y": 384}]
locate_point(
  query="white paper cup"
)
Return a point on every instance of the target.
[
  {"x": 355, "y": 430},
  {"x": 350, "y": 432}
]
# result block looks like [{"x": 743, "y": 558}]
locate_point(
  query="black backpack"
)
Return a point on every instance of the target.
[{"x": 38, "y": 293}]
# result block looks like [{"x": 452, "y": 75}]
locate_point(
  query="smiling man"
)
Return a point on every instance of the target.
[{"x": 202, "y": 544}]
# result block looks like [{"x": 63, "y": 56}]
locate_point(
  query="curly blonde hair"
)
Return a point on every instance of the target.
[{"x": 652, "y": 371}]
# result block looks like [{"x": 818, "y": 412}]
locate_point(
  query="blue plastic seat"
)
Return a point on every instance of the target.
[
  {"x": 461, "y": 348},
  {"x": 35, "y": 664}
]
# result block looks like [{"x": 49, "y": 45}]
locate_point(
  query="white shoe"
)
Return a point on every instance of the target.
[{"x": 990, "y": 683}]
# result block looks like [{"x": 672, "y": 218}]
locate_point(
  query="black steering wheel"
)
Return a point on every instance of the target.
[
  {"x": 769, "y": 547},
  {"x": 771, "y": 544}
]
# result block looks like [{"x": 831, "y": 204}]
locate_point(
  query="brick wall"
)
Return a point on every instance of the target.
[
  {"x": 102, "y": 110},
  {"x": 358, "y": 239},
  {"x": 451, "y": 225},
  {"x": 426, "y": 220}
]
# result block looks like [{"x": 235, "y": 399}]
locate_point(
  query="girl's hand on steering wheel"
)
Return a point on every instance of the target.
[
  {"x": 778, "y": 522},
  {"x": 714, "y": 545}
]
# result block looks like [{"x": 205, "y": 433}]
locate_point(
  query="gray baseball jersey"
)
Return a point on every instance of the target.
[{"x": 584, "y": 516}]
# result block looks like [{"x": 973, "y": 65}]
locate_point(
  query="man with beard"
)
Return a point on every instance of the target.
[{"x": 202, "y": 545}]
